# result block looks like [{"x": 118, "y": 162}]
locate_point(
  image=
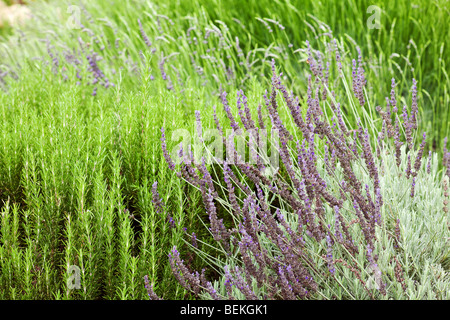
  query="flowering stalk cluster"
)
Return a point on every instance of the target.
[
  {"x": 446, "y": 195},
  {"x": 302, "y": 188},
  {"x": 409, "y": 124},
  {"x": 359, "y": 80},
  {"x": 151, "y": 294},
  {"x": 399, "y": 276},
  {"x": 446, "y": 158},
  {"x": 191, "y": 281},
  {"x": 98, "y": 75},
  {"x": 274, "y": 217}
]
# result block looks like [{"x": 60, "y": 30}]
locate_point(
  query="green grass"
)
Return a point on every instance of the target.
[{"x": 410, "y": 43}]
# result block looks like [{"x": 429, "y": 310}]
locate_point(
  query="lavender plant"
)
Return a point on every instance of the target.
[{"x": 323, "y": 225}]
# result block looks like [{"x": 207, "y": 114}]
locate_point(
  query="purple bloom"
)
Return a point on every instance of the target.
[
  {"x": 151, "y": 294},
  {"x": 98, "y": 75},
  {"x": 144, "y": 35},
  {"x": 408, "y": 127},
  {"x": 330, "y": 256},
  {"x": 408, "y": 167},
  {"x": 337, "y": 231},
  {"x": 161, "y": 68},
  {"x": 358, "y": 79},
  {"x": 338, "y": 57},
  {"x": 297, "y": 187},
  {"x": 199, "y": 124},
  {"x": 414, "y": 106},
  {"x": 227, "y": 109},
  {"x": 194, "y": 240},
  {"x": 419, "y": 154},
  {"x": 393, "y": 100},
  {"x": 190, "y": 281},
  {"x": 165, "y": 152},
  {"x": 397, "y": 142}
]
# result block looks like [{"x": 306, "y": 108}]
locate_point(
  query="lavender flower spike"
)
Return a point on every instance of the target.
[
  {"x": 144, "y": 35},
  {"x": 414, "y": 107},
  {"x": 165, "y": 152},
  {"x": 151, "y": 294},
  {"x": 429, "y": 162},
  {"x": 419, "y": 154},
  {"x": 330, "y": 256}
]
